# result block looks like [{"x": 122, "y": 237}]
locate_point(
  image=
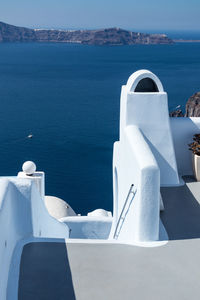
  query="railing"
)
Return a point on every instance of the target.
[{"x": 125, "y": 209}]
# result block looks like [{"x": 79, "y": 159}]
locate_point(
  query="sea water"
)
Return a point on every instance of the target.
[{"x": 67, "y": 97}]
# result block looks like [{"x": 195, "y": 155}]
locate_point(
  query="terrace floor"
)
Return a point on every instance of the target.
[{"x": 85, "y": 271}]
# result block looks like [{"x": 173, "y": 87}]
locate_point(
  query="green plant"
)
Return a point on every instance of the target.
[{"x": 195, "y": 146}]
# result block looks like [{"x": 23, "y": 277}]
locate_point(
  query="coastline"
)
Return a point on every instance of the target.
[
  {"x": 185, "y": 41},
  {"x": 107, "y": 36}
]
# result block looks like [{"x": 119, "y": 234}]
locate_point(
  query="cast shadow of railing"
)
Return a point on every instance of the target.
[
  {"x": 45, "y": 272},
  {"x": 181, "y": 216}
]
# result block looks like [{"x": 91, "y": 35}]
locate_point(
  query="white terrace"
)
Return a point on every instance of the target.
[{"x": 149, "y": 249}]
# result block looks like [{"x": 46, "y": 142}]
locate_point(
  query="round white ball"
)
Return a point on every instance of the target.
[{"x": 29, "y": 167}]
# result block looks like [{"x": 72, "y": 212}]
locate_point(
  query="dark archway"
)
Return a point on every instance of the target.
[{"x": 146, "y": 85}]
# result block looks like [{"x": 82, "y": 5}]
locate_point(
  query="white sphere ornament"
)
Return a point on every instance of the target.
[{"x": 29, "y": 167}]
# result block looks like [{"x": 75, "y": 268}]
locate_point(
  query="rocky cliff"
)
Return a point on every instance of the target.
[
  {"x": 110, "y": 36},
  {"x": 10, "y": 33},
  {"x": 192, "y": 108}
]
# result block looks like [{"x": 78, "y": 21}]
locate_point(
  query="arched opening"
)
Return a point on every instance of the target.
[{"x": 146, "y": 85}]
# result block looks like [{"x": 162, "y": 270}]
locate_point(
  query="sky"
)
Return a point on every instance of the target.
[{"x": 144, "y": 15}]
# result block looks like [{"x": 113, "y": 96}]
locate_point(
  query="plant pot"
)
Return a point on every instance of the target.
[{"x": 196, "y": 166}]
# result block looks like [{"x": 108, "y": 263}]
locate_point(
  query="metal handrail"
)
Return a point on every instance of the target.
[{"x": 122, "y": 215}]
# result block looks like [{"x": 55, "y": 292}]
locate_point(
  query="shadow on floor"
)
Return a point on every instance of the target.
[
  {"x": 45, "y": 272},
  {"x": 181, "y": 216}
]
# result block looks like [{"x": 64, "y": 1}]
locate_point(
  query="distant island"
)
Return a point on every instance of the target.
[{"x": 110, "y": 36}]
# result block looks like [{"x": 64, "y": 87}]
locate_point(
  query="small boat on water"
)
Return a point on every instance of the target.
[
  {"x": 30, "y": 136},
  {"x": 147, "y": 248}
]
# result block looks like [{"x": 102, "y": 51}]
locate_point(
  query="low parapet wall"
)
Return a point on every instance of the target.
[
  {"x": 135, "y": 164},
  {"x": 22, "y": 216},
  {"x": 183, "y": 130}
]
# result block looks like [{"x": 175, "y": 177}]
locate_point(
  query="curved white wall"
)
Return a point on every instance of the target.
[
  {"x": 136, "y": 165},
  {"x": 137, "y": 76},
  {"x": 22, "y": 215}
]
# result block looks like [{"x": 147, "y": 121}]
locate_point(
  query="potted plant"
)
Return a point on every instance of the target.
[{"x": 195, "y": 148}]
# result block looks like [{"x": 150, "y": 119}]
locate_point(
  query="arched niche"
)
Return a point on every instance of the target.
[
  {"x": 146, "y": 85},
  {"x": 144, "y": 81}
]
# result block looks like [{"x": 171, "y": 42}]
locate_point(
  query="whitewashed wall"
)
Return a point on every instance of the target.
[
  {"x": 22, "y": 215},
  {"x": 137, "y": 166},
  {"x": 183, "y": 130},
  {"x": 144, "y": 156}
]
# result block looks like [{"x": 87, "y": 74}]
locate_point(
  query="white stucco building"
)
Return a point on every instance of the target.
[{"x": 142, "y": 248}]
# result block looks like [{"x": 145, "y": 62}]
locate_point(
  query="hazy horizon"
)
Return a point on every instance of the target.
[
  {"x": 148, "y": 16},
  {"x": 173, "y": 33}
]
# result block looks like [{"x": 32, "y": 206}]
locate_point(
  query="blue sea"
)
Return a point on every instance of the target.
[{"x": 68, "y": 97}]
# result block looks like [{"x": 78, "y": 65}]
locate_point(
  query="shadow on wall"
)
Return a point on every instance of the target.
[
  {"x": 161, "y": 161},
  {"x": 182, "y": 213},
  {"x": 45, "y": 272}
]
